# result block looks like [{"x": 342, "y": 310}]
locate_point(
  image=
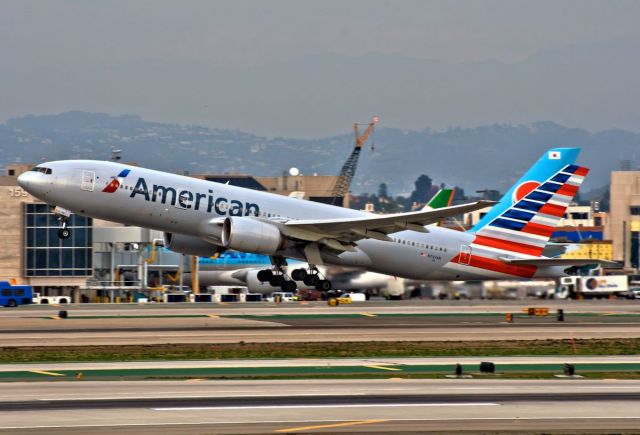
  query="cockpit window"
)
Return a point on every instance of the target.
[{"x": 42, "y": 170}]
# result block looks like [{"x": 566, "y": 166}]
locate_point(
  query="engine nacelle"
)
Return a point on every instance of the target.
[
  {"x": 191, "y": 245},
  {"x": 250, "y": 235}
]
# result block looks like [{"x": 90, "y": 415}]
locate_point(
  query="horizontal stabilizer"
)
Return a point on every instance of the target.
[{"x": 548, "y": 262}]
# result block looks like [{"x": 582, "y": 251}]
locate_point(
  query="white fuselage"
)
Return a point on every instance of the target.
[{"x": 184, "y": 205}]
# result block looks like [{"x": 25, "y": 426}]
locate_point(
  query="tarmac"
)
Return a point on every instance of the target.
[
  {"x": 314, "y": 322},
  {"x": 107, "y": 400},
  {"x": 322, "y": 406}
]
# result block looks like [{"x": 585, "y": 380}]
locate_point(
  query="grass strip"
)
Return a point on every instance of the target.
[
  {"x": 241, "y": 350},
  {"x": 545, "y": 371}
]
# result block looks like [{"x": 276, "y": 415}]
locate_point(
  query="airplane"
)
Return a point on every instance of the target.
[{"x": 200, "y": 217}]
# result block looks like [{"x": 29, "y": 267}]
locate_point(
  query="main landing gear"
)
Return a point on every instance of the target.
[
  {"x": 277, "y": 278},
  {"x": 311, "y": 278}
]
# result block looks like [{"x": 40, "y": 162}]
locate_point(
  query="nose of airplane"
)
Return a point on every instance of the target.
[
  {"x": 25, "y": 180},
  {"x": 33, "y": 183}
]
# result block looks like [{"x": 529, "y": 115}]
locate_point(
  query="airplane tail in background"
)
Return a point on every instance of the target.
[
  {"x": 526, "y": 216},
  {"x": 441, "y": 199}
]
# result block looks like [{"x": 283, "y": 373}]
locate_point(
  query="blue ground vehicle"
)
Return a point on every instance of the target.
[{"x": 14, "y": 295}]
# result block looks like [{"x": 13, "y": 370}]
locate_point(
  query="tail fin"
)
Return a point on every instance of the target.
[
  {"x": 527, "y": 214},
  {"x": 442, "y": 198}
]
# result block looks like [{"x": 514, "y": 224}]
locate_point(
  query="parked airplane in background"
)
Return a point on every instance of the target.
[{"x": 201, "y": 217}]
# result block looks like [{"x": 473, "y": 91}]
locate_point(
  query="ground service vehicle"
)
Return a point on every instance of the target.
[
  {"x": 282, "y": 297},
  {"x": 14, "y": 295},
  {"x": 55, "y": 300},
  {"x": 587, "y": 287}
]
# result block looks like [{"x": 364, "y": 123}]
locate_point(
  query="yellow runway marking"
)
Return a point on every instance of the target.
[
  {"x": 42, "y": 372},
  {"x": 369, "y": 315},
  {"x": 55, "y": 317},
  {"x": 213, "y": 316},
  {"x": 393, "y": 369},
  {"x": 326, "y": 426}
]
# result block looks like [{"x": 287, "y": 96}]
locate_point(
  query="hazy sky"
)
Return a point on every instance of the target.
[{"x": 250, "y": 64}]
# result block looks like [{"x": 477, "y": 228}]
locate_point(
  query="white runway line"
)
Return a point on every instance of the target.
[{"x": 375, "y": 405}]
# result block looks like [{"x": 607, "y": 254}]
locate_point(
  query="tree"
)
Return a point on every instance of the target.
[
  {"x": 382, "y": 191},
  {"x": 423, "y": 188}
]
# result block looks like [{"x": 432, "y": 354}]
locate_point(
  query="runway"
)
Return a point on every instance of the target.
[
  {"x": 312, "y": 406},
  {"x": 375, "y": 306},
  {"x": 376, "y": 321},
  {"x": 54, "y": 402}
]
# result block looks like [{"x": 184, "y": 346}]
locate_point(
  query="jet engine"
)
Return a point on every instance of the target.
[
  {"x": 191, "y": 245},
  {"x": 250, "y": 235}
]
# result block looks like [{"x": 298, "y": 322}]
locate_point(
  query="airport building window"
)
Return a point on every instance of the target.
[
  {"x": 45, "y": 254},
  {"x": 634, "y": 210}
]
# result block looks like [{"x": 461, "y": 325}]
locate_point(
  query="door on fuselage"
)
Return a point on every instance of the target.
[
  {"x": 465, "y": 254},
  {"x": 88, "y": 180}
]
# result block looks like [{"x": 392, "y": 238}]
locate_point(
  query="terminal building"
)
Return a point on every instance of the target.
[{"x": 624, "y": 217}]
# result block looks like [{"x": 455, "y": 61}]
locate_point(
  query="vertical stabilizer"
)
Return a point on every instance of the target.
[{"x": 526, "y": 216}]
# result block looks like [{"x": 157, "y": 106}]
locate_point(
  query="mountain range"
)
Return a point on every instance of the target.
[{"x": 485, "y": 157}]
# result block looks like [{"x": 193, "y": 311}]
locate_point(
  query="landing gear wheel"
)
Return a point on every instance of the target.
[
  {"x": 265, "y": 275},
  {"x": 298, "y": 274},
  {"x": 311, "y": 280},
  {"x": 276, "y": 281},
  {"x": 323, "y": 285},
  {"x": 64, "y": 233},
  {"x": 288, "y": 286}
]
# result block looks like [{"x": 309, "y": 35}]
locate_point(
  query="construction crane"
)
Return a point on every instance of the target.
[{"x": 341, "y": 189}]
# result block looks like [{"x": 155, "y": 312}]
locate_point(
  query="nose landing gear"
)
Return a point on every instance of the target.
[
  {"x": 63, "y": 217},
  {"x": 64, "y": 232}
]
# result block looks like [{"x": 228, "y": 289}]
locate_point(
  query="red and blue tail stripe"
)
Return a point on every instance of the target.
[
  {"x": 524, "y": 219},
  {"x": 526, "y": 225}
]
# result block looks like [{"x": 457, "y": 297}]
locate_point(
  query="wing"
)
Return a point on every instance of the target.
[
  {"x": 375, "y": 226},
  {"x": 543, "y": 262}
]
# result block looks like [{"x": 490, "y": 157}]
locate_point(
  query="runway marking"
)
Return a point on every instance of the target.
[
  {"x": 55, "y": 318},
  {"x": 213, "y": 316},
  {"x": 371, "y": 405},
  {"x": 195, "y": 380},
  {"x": 326, "y": 426},
  {"x": 73, "y": 399},
  {"x": 42, "y": 372},
  {"x": 369, "y": 315},
  {"x": 393, "y": 369},
  {"x": 200, "y": 423}
]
